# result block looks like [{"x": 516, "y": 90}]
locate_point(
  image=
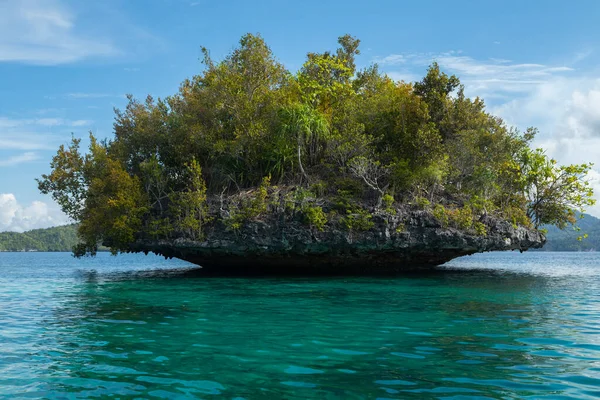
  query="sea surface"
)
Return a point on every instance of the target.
[{"x": 499, "y": 326}]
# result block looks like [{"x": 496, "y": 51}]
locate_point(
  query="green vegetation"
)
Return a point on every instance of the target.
[
  {"x": 246, "y": 138},
  {"x": 60, "y": 238}
]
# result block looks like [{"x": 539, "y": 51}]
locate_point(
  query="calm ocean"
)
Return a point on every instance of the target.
[{"x": 504, "y": 325}]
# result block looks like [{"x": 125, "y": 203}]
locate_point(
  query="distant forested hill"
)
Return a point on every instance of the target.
[
  {"x": 567, "y": 240},
  {"x": 59, "y": 238}
]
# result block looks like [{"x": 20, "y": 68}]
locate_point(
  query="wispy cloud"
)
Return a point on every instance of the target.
[
  {"x": 403, "y": 76},
  {"x": 480, "y": 75},
  {"x": 55, "y": 32},
  {"x": 10, "y": 123},
  {"x": 18, "y": 159},
  {"x": 81, "y": 122},
  {"x": 49, "y": 121},
  {"x": 27, "y": 141},
  {"x": 27, "y": 134},
  {"x": 46, "y": 32},
  {"x": 582, "y": 55},
  {"x": 80, "y": 95},
  {"x": 393, "y": 59},
  {"x": 83, "y": 95},
  {"x": 6, "y": 123}
]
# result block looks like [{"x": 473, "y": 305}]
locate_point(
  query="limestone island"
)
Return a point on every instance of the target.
[{"x": 254, "y": 168}]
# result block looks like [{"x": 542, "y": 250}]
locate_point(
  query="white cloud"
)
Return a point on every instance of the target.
[
  {"x": 19, "y": 159},
  {"x": 46, "y": 32},
  {"x": 18, "y": 217}
]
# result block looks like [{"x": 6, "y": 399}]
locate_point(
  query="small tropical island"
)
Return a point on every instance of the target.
[{"x": 251, "y": 167}]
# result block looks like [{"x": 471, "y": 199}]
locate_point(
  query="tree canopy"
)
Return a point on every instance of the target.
[{"x": 347, "y": 136}]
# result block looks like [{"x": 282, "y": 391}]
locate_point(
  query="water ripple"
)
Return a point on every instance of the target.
[{"x": 490, "y": 326}]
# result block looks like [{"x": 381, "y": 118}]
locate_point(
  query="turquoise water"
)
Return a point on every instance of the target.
[{"x": 489, "y": 326}]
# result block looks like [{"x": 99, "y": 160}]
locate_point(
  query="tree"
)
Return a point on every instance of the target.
[
  {"x": 308, "y": 127},
  {"x": 435, "y": 89},
  {"x": 554, "y": 193},
  {"x": 347, "y": 51},
  {"x": 189, "y": 207},
  {"x": 67, "y": 182},
  {"x": 325, "y": 78},
  {"x": 240, "y": 98},
  {"x": 115, "y": 204},
  {"x": 372, "y": 173}
]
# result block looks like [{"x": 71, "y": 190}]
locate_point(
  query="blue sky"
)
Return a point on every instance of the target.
[{"x": 64, "y": 66}]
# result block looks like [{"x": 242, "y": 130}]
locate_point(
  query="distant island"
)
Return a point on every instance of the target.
[
  {"x": 585, "y": 238},
  {"x": 59, "y": 238},
  {"x": 55, "y": 239},
  {"x": 250, "y": 165}
]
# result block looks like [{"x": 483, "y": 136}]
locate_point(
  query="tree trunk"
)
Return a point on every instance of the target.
[{"x": 300, "y": 160}]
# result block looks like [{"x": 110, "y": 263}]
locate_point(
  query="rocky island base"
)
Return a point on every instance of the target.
[{"x": 413, "y": 241}]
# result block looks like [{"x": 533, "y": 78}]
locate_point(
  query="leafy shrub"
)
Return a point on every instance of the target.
[
  {"x": 517, "y": 216},
  {"x": 480, "y": 205},
  {"x": 343, "y": 200},
  {"x": 319, "y": 188},
  {"x": 480, "y": 228},
  {"x": 250, "y": 208},
  {"x": 235, "y": 219},
  {"x": 258, "y": 203},
  {"x": 358, "y": 220},
  {"x": 422, "y": 202},
  {"x": 158, "y": 228},
  {"x": 461, "y": 218},
  {"x": 315, "y": 216},
  {"x": 439, "y": 212},
  {"x": 350, "y": 185},
  {"x": 388, "y": 204},
  {"x": 388, "y": 200}
]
